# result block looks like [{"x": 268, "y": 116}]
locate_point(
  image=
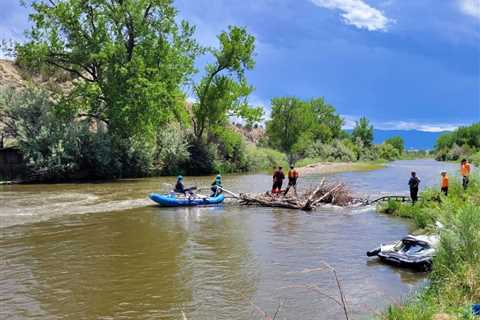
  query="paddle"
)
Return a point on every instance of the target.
[{"x": 229, "y": 192}]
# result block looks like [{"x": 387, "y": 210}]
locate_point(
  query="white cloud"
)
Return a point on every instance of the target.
[
  {"x": 470, "y": 7},
  {"x": 358, "y": 13},
  {"x": 349, "y": 123},
  {"x": 405, "y": 125}
]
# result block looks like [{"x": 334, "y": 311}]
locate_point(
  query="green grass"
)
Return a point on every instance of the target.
[
  {"x": 308, "y": 161},
  {"x": 475, "y": 158},
  {"x": 455, "y": 277}
]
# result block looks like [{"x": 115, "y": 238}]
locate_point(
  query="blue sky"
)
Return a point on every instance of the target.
[{"x": 404, "y": 64}]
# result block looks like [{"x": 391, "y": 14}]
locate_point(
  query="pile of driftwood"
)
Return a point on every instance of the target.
[{"x": 325, "y": 193}]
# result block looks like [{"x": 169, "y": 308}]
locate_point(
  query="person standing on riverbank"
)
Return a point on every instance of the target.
[
  {"x": 292, "y": 179},
  {"x": 465, "y": 172},
  {"x": 444, "y": 183},
  {"x": 413, "y": 183}
]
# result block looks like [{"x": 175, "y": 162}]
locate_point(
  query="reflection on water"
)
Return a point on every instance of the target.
[{"x": 61, "y": 261}]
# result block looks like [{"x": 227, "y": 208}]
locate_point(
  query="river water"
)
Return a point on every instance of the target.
[{"x": 103, "y": 251}]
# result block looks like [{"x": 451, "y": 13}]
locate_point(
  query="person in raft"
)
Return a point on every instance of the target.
[
  {"x": 216, "y": 186},
  {"x": 180, "y": 188},
  {"x": 292, "y": 179},
  {"x": 413, "y": 184},
  {"x": 278, "y": 177},
  {"x": 465, "y": 172},
  {"x": 444, "y": 183}
]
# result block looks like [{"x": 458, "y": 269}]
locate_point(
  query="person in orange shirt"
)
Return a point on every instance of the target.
[
  {"x": 444, "y": 184},
  {"x": 465, "y": 172},
  {"x": 292, "y": 179}
]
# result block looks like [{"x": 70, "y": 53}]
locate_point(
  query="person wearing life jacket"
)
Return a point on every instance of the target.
[
  {"x": 292, "y": 179},
  {"x": 180, "y": 187},
  {"x": 216, "y": 186},
  {"x": 413, "y": 183},
  {"x": 444, "y": 183},
  {"x": 278, "y": 178},
  {"x": 465, "y": 172}
]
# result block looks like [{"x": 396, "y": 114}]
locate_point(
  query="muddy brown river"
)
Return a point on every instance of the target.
[{"x": 104, "y": 251}]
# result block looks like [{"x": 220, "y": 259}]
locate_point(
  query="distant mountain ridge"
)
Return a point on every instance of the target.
[{"x": 414, "y": 139}]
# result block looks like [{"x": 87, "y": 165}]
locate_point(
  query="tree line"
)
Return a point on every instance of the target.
[
  {"x": 312, "y": 130},
  {"x": 129, "y": 64},
  {"x": 464, "y": 142}
]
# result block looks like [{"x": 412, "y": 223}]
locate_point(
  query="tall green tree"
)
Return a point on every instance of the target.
[
  {"x": 296, "y": 125},
  {"x": 289, "y": 124},
  {"x": 224, "y": 91},
  {"x": 363, "y": 130},
  {"x": 327, "y": 124},
  {"x": 130, "y": 57},
  {"x": 467, "y": 135},
  {"x": 396, "y": 142}
]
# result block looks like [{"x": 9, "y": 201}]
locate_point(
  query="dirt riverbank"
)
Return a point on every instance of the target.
[{"x": 335, "y": 167}]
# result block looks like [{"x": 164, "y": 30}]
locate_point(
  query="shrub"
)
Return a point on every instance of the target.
[
  {"x": 475, "y": 158},
  {"x": 368, "y": 154},
  {"x": 390, "y": 207},
  {"x": 455, "y": 152},
  {"x": 397, "y": 142},
  {"x": 230, "y": 155},
  {"x": 98, "y": 155},
  {"x": 49, "y": 146},
  {"x": 172, "y": 149},
  {"x": 201, "y": 160},
  {"x": 388, "y": 152},
  {"x": 264, "y": 158},
  {"x": 461, "y": 136},
  {"x": 338, "y": 150},
  {"x": 60, "y": 146},
  {"x": 319, "y": 150},
  {"x": 342, "y": 151}
]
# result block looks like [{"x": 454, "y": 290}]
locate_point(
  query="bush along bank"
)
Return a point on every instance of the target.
[
  {"x": 464, "y": 142},
  {"x": 59, "y": 146},
  {"x": 455, "y": 278}
]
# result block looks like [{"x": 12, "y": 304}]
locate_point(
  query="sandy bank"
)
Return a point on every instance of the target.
[{"x": 334, "y": 167}]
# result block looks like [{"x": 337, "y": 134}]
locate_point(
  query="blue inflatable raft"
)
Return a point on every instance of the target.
[{"x": 167, "y": 200}]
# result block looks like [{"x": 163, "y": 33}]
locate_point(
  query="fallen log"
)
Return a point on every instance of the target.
[{"x": 325, "y": 193}]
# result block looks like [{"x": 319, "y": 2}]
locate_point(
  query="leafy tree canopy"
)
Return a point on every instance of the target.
[
  {"x": 388, "y": 152},
  {"x": 468, "y": 135},
  {"x": 296, "y": 124},
  {"x": 131, "y": 57},
  {"x": 224, "y": 90},
  {"x": 363, "y": 131},
  {"x": 396, "y": 142}
]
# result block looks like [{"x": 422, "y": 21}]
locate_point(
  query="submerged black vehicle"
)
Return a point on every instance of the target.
[{"x": 412, "y": 251}]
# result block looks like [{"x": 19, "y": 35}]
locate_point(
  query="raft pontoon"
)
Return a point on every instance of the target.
[{"x": 172, "y": 200}]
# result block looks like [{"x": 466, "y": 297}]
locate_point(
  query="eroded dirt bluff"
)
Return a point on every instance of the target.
[{"x": 10, "y": 74}]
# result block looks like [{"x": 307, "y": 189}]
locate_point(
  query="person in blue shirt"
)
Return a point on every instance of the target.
[
  {"x": 413, "y": 183},
  {"x": 180, "y": 187}
]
